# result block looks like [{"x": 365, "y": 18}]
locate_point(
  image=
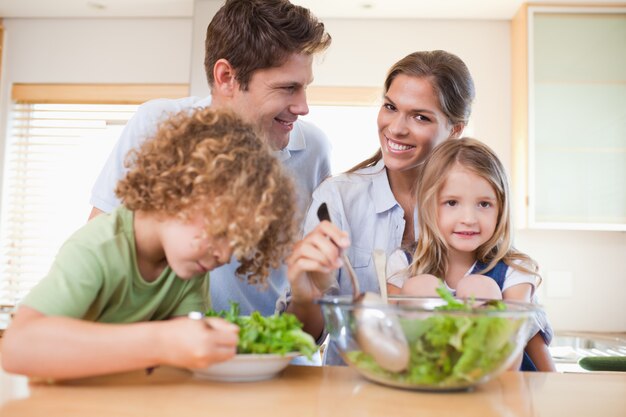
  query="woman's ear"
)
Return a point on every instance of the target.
[
  {"x": 457, "y": 130},
  {"x": 225, "y": 83}
]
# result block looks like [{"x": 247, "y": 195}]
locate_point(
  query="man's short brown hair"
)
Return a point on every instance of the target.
[{"x": 257, "y": 34}]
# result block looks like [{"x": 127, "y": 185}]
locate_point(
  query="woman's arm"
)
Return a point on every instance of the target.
[
  {"x": 62, "y": 347},
  {"x": 309, "y": 271}
]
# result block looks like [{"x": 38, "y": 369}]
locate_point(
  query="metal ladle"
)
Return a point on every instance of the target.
[{"x": 378, "y": 332}]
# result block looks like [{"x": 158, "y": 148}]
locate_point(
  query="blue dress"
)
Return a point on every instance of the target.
[{"x": 498, "y": 273}]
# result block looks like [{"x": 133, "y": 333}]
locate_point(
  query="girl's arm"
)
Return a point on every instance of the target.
[
  {"x": 62, "y": 347},
  {"x": 539, "y": 353},
  {"x": 393, "y": 290},
  {"x": 519, "y": 292},
  {"x": 536, "y": 346}
]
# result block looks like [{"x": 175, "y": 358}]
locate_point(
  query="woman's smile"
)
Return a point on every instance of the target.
[{"x": 397, "y": 147}]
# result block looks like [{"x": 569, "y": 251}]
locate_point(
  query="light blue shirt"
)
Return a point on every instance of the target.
[
  {"x": 307, "y": 157},
  {"x": 363, "y": 205},
  {"x": 143, "y": 125}
]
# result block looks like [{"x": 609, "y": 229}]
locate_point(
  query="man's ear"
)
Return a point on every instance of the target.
[{"x": 224, "y": 83}]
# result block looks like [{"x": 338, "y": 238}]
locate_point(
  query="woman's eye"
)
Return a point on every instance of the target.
[
  {"x": 422, "y": 118},
  {"x": 389, "y": 106}
]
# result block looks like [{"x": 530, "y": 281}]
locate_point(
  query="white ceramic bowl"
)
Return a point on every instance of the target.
[{"x": 246, "y": 368}]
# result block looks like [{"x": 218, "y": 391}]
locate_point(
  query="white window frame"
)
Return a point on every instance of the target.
[{"x": 15, "y": 280}]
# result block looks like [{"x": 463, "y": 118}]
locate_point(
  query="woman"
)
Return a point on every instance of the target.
[{"x": 427, "y": 99}]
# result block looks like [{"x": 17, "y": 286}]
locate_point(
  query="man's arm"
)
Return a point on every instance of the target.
[{"x": 140, "y": 127}]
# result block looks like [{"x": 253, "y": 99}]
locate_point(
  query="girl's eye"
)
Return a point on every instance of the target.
[
  {"x": 484, "y": 204},
  {"x": 451, "y": 203}
]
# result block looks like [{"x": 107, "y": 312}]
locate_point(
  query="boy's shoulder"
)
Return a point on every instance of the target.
[{"x": 104, "y": 229}]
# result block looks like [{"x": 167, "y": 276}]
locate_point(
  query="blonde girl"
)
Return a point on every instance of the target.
[{"x": 466, "y": 238}]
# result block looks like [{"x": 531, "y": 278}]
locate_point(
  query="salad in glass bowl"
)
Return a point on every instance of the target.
[{"x": 452, "y": 344}]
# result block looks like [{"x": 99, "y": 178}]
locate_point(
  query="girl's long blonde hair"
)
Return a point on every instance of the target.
[{"x": 431, "y": 254}]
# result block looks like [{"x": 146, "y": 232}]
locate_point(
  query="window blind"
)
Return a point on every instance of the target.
[{"x": 53, "y": 154}]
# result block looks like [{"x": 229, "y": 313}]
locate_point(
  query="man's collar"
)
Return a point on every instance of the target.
[
  {"x": 296, "y": 138},
  {"x": 296, "y": 143}
]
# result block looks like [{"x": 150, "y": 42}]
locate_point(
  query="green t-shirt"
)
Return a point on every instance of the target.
[{"x": 95, "y": 277}]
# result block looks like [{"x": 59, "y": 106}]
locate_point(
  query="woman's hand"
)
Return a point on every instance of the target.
[{"x": 313, "y": 259}]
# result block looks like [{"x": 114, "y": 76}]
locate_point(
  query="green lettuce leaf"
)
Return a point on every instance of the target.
[{"x": 278, "y": 334}]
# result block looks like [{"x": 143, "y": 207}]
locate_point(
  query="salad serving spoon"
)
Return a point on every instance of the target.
[{"x": 378, "y": 332}]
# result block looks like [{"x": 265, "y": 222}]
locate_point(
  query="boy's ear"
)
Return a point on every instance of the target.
[{"x": 224, "y": 83}]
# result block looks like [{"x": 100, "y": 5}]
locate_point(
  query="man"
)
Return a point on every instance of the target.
[{"x": 258, "y": 62}]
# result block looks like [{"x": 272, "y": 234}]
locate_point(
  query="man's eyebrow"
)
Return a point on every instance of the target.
[{"x": 288, "y": 84}]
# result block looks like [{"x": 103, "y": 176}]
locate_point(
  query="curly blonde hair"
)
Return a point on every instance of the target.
[
  {"x": 210, "y": 163},
  {"x": 431, "y": 254}
]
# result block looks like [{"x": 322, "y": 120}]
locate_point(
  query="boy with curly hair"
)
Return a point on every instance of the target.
[{"x": 203, "y": 189}]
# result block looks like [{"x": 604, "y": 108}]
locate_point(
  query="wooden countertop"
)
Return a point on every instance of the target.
[{"x": 302, "y": 391}]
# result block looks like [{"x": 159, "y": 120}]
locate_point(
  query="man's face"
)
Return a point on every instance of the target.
[{"x": 275, "y": 98}]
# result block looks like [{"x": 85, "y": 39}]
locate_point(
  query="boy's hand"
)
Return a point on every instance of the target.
[
  {"x": 313, "y": 259},
  {"x": 191, "y": 343}
]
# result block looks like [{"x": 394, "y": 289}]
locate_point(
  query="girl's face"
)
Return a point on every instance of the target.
[
  {"x": 410, "y": 123},
  {"x": 467, "y": 210},
  {"x": 189, "y": 250}
]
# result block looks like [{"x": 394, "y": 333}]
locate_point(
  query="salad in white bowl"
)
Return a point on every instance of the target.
[{"x": 266, "y": 346}]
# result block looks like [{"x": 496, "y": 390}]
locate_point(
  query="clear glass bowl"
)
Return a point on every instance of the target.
[{"x": 448, "y": 350}]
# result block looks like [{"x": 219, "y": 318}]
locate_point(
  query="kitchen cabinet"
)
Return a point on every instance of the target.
[{"x": 569, "y": 117}]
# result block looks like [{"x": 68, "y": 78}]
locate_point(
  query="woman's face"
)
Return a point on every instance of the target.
[{"x": 411, "y": 123}]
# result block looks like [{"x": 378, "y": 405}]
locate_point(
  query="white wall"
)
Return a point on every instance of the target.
[
  {"x": 159, "y": 50},
  {"x": 98, "y": 50}
]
